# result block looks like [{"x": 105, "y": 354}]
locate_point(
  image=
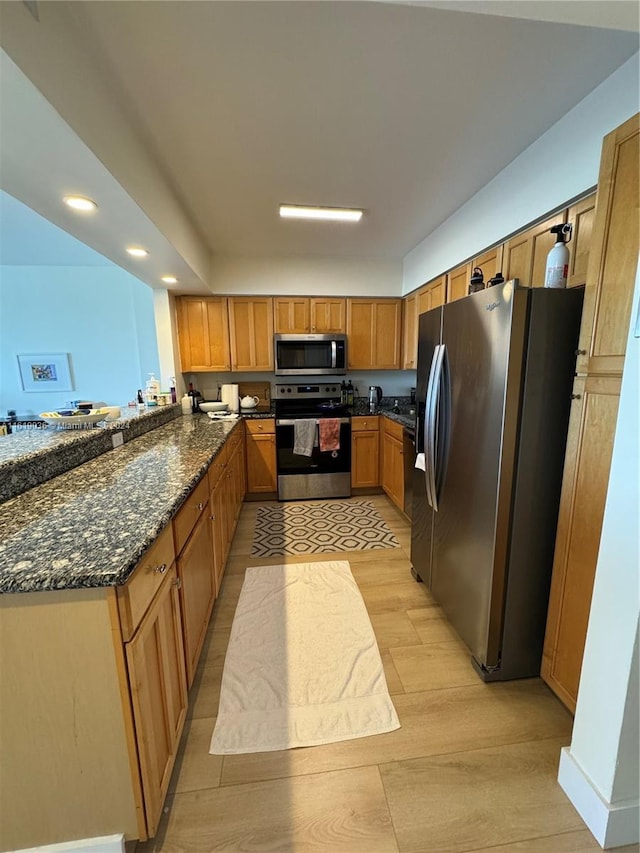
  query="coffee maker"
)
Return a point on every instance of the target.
[{"x": 375, "y": 397}]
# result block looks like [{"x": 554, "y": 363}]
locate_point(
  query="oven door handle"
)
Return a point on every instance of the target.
[{"x": 317, "y": 420}]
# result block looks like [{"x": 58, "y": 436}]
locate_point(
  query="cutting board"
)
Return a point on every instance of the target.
[{"x": 257, "y": 389}]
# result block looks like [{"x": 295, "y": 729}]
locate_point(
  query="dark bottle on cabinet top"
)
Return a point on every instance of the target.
[{"x": 477, "y": 280}]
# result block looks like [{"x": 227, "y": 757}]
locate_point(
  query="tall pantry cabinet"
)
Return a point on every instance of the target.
[{"x": 611, "y": 276}]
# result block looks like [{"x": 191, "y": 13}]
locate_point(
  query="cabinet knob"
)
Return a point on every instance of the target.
[
  {"x": 576, "y": 396},
  {"x": 212, "y": 517},
  {"x": 161, "y": 569},
  {"x": 177, "y": 582},
  {"x": 200, "y": 507},
  {"x": 581, "y": 352}
]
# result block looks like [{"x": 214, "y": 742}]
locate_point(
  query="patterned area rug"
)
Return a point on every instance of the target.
[{"x": 317, "y": 526}]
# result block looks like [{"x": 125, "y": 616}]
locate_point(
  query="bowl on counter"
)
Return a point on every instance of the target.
[
  {"x": 214, "y": 407},
  {"x": 80, "y": 420}
]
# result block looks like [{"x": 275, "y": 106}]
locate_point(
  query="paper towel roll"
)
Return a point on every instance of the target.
[{"x": 229, "y": 395}]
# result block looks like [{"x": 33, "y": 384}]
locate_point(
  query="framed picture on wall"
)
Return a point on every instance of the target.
[{"x": 45, "y": 372}]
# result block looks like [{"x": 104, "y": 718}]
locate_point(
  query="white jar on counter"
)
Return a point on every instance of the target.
[{"x": 185, "y": 402}]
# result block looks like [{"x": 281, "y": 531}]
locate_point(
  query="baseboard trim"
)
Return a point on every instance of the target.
[
  {"x": 101, "y": 844},
  {"x": 612, "y": 825}
]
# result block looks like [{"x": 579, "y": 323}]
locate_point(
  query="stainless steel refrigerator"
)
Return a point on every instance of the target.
[{"x": 494, "y": 381}]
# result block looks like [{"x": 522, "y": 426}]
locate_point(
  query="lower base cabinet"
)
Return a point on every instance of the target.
[
  {"x": 365, "y": 452},
  {"x": 89, "y": 740},
  {"x": 157, "y": 678},
  {"x": 393, "y": 462},
  {"x": 261, "y": 456}
]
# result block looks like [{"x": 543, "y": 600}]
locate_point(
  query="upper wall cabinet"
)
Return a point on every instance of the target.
[
  {"x": 320, "y": 315},
  {"x": 581, "y": 216},
  {"x": 458, "y": 282},
  {"x": 430, "y": 296},
  {"x": 251, "y": 331},
  {"x": 203, "y": 333},
  {"x": 525, "y": 255},
  {"x": 374, "y": 328}
]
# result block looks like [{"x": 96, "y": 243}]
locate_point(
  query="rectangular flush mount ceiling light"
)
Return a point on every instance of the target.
[{"x": 335, "y": 214}]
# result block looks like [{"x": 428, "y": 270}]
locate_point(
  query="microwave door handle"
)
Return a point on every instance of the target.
[{"x": 334, "y": 354}]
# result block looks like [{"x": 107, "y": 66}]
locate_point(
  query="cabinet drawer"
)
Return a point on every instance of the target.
[
  {"x": 136, "y": 595},
  {"x": 186, "y": 517},
  {"x": 370, "y": 422},
  {"x": 393, "y": 428},
  {"x": 260, "y": 426}
]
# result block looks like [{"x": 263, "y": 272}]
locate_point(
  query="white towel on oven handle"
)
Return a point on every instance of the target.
[{"x": 304, "y": 436}]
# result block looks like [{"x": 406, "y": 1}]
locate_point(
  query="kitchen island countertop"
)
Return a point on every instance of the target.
[{"x": 89, "y": 526}]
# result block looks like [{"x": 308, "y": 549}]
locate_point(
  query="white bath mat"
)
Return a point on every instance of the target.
[{"x": 302, "y": 666}]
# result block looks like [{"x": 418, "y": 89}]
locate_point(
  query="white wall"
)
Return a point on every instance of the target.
[
  {"x": 102, "y": 316},
  {"x": 560, "y": 165},
  {"x": 306, "y": 276}
]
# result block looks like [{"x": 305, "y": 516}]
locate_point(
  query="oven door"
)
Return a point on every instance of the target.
[{"x": 324, "y": 474}]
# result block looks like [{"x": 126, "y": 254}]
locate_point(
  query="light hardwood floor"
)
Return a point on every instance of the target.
[{"x": 472, "y": 768}]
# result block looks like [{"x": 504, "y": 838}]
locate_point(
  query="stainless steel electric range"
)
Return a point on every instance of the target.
[{"x": 325, "y": 473}]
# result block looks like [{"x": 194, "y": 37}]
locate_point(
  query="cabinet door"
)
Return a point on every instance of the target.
[
  {"x": 581, "y": 216},
  {"x": 218, "y": 530},
  {"x": 410, "y": 332},
  {"x": 584, "y": 492},
  {"x": 365, "y": 467},
  {"x": 525, "y": 255},
  {"x": 458, "y": 282},
  {"x": 393, "y": 469},
  {"x": 614, "y": 255},
  {"x": 261, "y": 463},
  {"x": 251, "y": 331},
  {"x": 374, "y": 327},
  {"x": 490, "y": 262},
  {"x": 203, "y": 333},
  {"x": 155, "y": 661},
  {"x": 291, "y": 314},
  {"x": 197, "y": 590},
  {"x": 328, "y": 315}
]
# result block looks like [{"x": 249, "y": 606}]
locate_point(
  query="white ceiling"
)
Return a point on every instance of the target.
[{"x": 403, "y": 109}]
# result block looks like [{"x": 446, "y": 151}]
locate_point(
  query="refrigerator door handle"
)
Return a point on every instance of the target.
[
  {"x": 433, "y": 405},
  {"x": 430, "y": 428},
  {"x": 442, "y": 425}
]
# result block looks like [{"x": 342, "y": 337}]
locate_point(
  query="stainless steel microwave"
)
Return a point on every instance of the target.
[{"x": 310, "y": 355}]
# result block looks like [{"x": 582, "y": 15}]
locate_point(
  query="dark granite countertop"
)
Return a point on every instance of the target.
[{"x": 89, "y": 526}]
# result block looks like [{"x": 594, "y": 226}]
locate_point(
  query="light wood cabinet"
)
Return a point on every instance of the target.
[
  {"x": 203, "y": 333},
  {"x": 374, "y": 328},
  {"x": 155, "y": 659},
  {"x": 458, "y": 282},
  {"x": 581, "y": 215},
  {"x": 490, "y": 262},
  {"x": 320, "y": 315},
  {"x": 603, "y": 334},
  {"x": 328, "y": 315},
  {"x": 197, "y": 589},
  {"x": 393, "y": 462},
  {"x": 429, "y": 296},
  {"x": 525, "y": 255},
  {"x": 365, "y": 452},
  {"x": 251, "y": 333},
  {"x": 261, "y": 456}
]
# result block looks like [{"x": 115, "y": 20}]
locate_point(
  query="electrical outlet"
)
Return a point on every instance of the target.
[{"x": 117, "y": 439}]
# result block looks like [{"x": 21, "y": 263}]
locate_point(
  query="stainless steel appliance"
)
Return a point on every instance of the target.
[
  {"x": 310, "y": 355},
  {"x": 495, "y": 372},
  {"x": 323, "y": 474},
  {"x": 375, "y": 397}
]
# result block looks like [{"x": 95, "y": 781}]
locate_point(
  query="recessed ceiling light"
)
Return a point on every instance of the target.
[
  {"x": 169, "y": 279},
  {"x": 336, "y": 214},
  {"x": 137, "y": 251},
  {"x": 78, "y": 202}
]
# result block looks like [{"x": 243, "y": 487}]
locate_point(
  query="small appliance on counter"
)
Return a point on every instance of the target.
[{"x": 375, "y": 398}]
